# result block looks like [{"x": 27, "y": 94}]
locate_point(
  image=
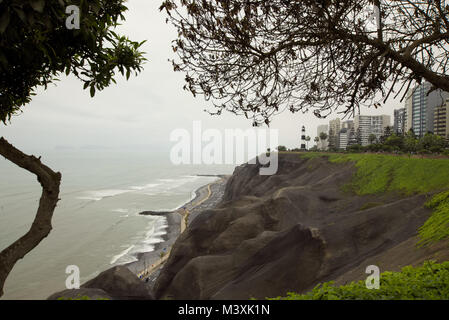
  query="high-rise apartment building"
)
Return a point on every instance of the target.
[
  {"x": 343, "y": 138},
  {"x": 441, "y": 120},
  {"x": 408, "y": 110},
  {"x": 399, "y": 121},
  {"x": 334, "y": 133},
  {"x": 368, "y": 125},
  {"x": 420, "y": 108},
  {"x": 347, "y": 127},
  {"x": 348, "y": 124}
]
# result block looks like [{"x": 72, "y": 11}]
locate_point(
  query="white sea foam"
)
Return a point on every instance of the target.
[
  {"x": 122, "y": 254},
  {"x": 128, "y": 259},
  {"x": 151, "y": 189},
  {"x": 145, "y": 187},
  {"x": 153, "y": 241},
  {"x": 156, "y": 226},
  {"x": 145, "y": 242},
  {"x": 120, "y": 210},
  {"x": 169, "y": 185},
  {"x": 101, "y": 194}
]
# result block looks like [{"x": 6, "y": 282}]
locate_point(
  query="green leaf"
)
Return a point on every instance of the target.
[
  {"x": 3, "y": 59},
  {"x": 38, "y": 5},
  {"x": 4, "y": 21},
  {"x": 92, "y": 91},
  {"x": 21, "y": 14}
]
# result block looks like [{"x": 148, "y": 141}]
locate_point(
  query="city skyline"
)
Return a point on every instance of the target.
[{"x": 422, "y": 112}]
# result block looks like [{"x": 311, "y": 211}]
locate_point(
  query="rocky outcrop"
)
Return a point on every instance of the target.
[
  {"x": 117, "y": 283},
  {"x": 286, "y": 232}
]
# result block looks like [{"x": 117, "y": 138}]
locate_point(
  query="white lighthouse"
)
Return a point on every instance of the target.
[{"x": 303, "y": 138}]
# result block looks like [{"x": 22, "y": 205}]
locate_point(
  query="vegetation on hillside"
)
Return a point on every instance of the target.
[
  {"x": 428, "y": 282},
  {"x": 437, "y": 226},
  {"x": 378, "y": 173}
]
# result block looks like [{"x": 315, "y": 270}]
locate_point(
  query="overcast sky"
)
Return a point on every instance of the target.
[{"x": 140, "y": 112}]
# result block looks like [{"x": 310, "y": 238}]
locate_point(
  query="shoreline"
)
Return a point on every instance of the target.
[{"x": 148, "y": 263}]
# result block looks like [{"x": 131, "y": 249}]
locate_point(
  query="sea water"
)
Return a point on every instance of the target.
[{"x": 96, "y": 224}]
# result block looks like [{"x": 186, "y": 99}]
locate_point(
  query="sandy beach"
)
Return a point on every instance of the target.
[{"x": 149, "y": 264}]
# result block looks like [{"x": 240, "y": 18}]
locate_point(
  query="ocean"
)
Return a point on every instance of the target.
[{"x": 96, "y": 224}]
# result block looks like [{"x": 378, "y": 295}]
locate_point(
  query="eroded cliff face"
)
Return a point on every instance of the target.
[{"x": 288, "y": 232}]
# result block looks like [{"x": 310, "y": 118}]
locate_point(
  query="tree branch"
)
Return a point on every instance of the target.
[
  {"x": 41, "y": 227},
  {"x": 406, "y": 60}
]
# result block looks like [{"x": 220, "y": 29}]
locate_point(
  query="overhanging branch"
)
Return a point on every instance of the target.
[{"x": 41, "y": 227}]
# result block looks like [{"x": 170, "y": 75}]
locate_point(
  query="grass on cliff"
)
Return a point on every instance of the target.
[
  {"x": 436, "y": 228},
  {"x": 378, "y": 174},
  {"x": 428, "y": 282}
]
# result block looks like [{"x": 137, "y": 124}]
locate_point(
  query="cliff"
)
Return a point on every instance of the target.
[{"x": 304, "y": 225}]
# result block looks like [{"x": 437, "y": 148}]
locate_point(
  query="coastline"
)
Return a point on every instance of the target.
[{"x": 148, "y": 264}]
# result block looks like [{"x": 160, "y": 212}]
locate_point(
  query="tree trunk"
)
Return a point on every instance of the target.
[{"x": 41, "y": 226}]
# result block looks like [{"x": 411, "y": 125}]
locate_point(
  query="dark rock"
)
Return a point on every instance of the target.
[
  {"x": 120, "y": 283},
  {"x": 286, "y": 232},
  {"x": 155, "y": 213}
]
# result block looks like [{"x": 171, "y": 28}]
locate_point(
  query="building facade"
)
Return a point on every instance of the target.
[
  {"x": 408, "y": 110},
  {"x": 334, "y": 133},
  {"x": 399, "y": 121},
  {"x": 368, "y": 125},
  {"x": 441, "y": 120},
  {"x": 422, "y": 110},
  {"x": 348, "y": 124},
  {"x": 347, "y": 128},
  {"x": 343, "y": 138}
]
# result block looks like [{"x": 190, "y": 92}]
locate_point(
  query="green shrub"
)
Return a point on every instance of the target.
[
  {"x": 428, "y": 282},
  {"x": 437, "y": 226},
  {"x": 355, "y": 148}
]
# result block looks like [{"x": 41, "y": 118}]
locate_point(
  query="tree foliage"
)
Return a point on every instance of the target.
[
  {"x": 323, "y": 136},
  {"x": 372, "y": 138},
  {"x": 36, "y": 46},
  {"x": 429, "y": 143},
  {"x": 282, "y": 148},
  {"x": 258, "y": 58}
]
